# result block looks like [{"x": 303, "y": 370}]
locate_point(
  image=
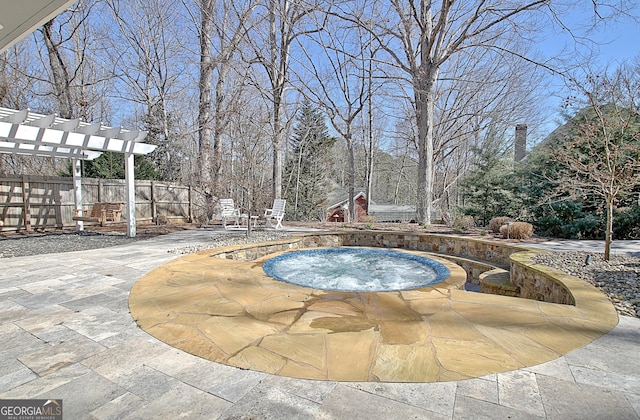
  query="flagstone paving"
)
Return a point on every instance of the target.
[
  {"x": 66, "y": 332},
  {"x": 231, "y": 312}
]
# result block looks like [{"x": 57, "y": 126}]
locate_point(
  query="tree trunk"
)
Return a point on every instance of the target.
[
  {"x": 279, "y": 56},
  {"x": 370, "y": 126},
  {"x": 608, "y": 234},
  {"x": 425, "y": 98},
  {"x": 219, "y": 123},
  {"x": 277, "y": 146},
  {"x": 61, "y": 85},
  {"x": 352, "y": 175},
  {"x": 204, "y": 107}
]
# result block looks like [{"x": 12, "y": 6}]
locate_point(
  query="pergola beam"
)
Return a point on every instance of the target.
[
  {"x": 50, "y": 136},
  {"x": 15, "y": 118},
  {"x": 81, "y": 154},
  {"x": 43, "y": 122}
]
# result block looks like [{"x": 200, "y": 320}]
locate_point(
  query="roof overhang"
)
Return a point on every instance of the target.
[{"x": 19, "y": 18}]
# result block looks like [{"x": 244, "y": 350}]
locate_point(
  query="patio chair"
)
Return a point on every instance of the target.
[
  {"x": 276, "y": 213},
  {"x": 229, "y": 212}
]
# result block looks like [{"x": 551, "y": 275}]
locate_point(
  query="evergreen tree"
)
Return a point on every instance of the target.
[
  {"x": 161, "y": 132},
  {"x": 308, "y": 165},
  {"x": 110, "y": 165},
  {"x": 489, "y": 190}
]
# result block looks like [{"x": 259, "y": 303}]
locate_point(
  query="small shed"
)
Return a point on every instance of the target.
[{"x": 339, "y": 211}]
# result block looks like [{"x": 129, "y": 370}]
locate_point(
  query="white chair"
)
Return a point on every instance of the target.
[
  {"x": 276, "y": 213},
  {"x": 229, "y": 212}
]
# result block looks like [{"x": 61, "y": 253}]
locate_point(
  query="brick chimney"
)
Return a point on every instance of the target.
[{"x": 521, "y": 142}]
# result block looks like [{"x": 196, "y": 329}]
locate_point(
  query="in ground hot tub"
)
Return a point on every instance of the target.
[{"x": 356, "y": 270}]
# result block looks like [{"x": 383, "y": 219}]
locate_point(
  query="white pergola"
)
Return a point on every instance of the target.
[{"x": 25, "y": 133}]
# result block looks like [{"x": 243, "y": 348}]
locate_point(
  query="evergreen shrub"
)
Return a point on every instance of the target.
[{"x": 626, "y": 222}]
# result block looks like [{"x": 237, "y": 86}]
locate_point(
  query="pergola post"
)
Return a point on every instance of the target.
[
  {"x": 129, "y": 177},
  {"x": 77, "y": 191}
]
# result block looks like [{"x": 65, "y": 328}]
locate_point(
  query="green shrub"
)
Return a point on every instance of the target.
[
  {"x": 496, "y": 223},
  {"x": 626, "y": 223},
  {"x": 569, "y": 220},
  {"x": 517, "y": 230}
]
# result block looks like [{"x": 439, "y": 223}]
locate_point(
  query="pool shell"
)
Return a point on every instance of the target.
[
  {"x": 229, "y": 311},
  {"x": 277, "y": 268}
]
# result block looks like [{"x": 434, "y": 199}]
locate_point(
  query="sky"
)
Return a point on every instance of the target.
[{"x": 614, "y": 43}]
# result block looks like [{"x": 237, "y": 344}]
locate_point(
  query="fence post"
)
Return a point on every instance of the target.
[
  {"x": 25, "y": 204},
  {"x": 154, "y": 210},
  {"x": 190, "y": 205}
]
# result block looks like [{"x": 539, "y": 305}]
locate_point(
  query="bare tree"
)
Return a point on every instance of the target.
[
  {"x": 342, "y": 74},
  {"x": 602, "y": 157},
  {"x": 73, "y": 83},
  {"x": 204, "y": 104},
  {"x": 421, "y": 36},
  {"x": 146, "y": 58},
  {"x": 66, "y": 39},
  {"x": 17, "y": 91},
  {"x": 249, "y": 158},
  {"x": 490, "y": 98},
  {"x": 222, "y": 28},
  {"x": 16, "y": 86},
  {"x": 284, "y": 22}
]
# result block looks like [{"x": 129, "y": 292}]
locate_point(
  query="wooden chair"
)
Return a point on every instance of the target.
[
  {"x": 101, "y": 212},
  {"x": 276, "y": 213}
]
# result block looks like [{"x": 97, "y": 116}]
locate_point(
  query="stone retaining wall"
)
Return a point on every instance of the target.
[
  {"x": 480, "y": 249},
  {"x": 537, "y": 281}
]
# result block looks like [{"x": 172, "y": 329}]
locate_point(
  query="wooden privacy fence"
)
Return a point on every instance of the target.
[{"x": 39, "y": 202}]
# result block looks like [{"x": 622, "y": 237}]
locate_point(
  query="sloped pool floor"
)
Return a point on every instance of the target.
[{"x": 231, "y": 312}]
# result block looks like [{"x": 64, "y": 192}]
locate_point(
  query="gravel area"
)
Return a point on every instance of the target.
[
  {"x": 228, "y": 239},
  {"x": 49, "y": 243},
  {"x": 618, "y": 278}
]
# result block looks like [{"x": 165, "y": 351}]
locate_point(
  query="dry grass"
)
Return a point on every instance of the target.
[
  {"x": 517, "y": 230},
  {"x": 497, "y": 222}
]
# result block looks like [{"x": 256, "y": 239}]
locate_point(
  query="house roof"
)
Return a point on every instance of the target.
[{"x": 339, "y": 198}]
